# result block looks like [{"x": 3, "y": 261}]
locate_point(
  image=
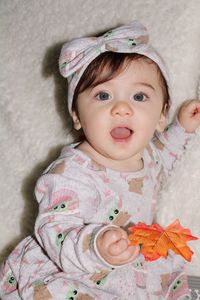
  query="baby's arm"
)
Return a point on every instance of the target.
[
  {"x": 66, "y": 227},
  {"x": 63, "y": 227},
  {"x": 114, "y": 247},
  {"x": 170, "y": 144}
]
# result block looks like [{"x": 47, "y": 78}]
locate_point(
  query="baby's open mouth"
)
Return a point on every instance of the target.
[{"x": 121, "y": 133}]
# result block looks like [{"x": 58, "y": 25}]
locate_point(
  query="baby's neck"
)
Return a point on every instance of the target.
[{"x": 133, "y": 164}]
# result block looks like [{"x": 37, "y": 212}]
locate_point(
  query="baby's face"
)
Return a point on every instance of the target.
[{"x": 120, "y": 116}]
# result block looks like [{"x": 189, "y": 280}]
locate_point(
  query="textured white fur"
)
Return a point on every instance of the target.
[{"x": 33, "y": 118}]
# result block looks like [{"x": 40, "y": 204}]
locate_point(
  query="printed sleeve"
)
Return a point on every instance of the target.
[
  {"x": 64, "y": 229},
  {"x": 171, "y": 144}
]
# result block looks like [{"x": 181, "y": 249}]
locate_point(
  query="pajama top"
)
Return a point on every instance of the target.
[{"x": 77, "y": 199}]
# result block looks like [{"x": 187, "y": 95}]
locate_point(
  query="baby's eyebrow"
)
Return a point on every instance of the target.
[{"x": 147, "y": 85}]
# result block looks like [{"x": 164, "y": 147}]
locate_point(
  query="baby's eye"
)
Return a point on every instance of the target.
[
  {"x": 140, "y": 97},
  {"x": 102, "y": 96}
]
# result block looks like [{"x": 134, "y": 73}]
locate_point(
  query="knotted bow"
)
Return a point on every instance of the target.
[
  {"x": 77, "y": 54},
  {"x": 80, "y": 52}
]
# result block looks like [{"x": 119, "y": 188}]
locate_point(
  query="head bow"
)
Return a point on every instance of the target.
[{"x": 77, "y": 54}]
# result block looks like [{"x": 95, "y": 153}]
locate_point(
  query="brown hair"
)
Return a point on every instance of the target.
[{"x": 108, "y": 65}]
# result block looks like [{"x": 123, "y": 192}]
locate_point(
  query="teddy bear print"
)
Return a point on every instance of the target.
[
  {"x": 121, "y": 219},
  {"x": 143, "y": 39},
  {"x": 96, "y": 166},
  {"x": 136, "y": 185},
  {"x": 86, "y": 242},
  {"x": 58, "y": 169},
  {"x": 150, "y": 151},
  {"x": 109, "y": 48},
  {"x": 158, "y": 144},
  {"x": 84, "y": 297},
  {"x": 41, "y": 292},
  {"x": 160, "y": 175},
  {"x": 99, "y": 278}
]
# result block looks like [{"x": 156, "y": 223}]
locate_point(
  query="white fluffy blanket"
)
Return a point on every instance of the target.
[{"x": 33, "y": 118}]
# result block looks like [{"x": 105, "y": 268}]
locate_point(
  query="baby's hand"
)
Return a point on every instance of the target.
[
  {"x": 113, "y": 246},
  {"x": 189, "y": 115}
]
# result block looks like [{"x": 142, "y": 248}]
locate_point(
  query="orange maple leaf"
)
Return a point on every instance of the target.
[{"x": 156, "y": 241}]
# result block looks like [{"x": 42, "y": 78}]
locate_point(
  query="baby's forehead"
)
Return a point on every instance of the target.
[{"x": 129, "y": 71}]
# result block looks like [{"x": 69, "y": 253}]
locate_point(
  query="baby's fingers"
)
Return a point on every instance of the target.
[
  {"x": 191, "y": 107},
  {"x": 127, "y": 255},
  {"x": 189, "y": 115},
  {"x": 118, "y": 247},
  {"x": 112, "y": 236}
]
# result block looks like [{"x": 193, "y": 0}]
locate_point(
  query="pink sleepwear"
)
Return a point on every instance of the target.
[{"x": 77, "y": 198}]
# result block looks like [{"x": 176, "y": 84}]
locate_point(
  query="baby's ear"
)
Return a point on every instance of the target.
[
  {"x": 162, "y": 123},
  {"x": 76, "y": 121}
]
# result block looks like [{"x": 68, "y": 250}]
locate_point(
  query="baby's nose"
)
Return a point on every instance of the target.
[{"x": 122, "y": 108}]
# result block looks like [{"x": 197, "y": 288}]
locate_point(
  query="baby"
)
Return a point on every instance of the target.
[{"x": 119, "y": 97}]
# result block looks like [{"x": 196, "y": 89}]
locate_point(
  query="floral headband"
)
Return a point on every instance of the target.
[{"x": 77, "y": 54}]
